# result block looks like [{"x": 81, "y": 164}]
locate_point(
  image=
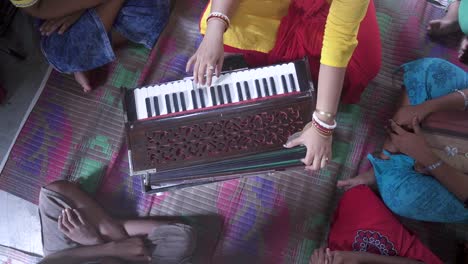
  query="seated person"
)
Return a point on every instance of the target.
[
  {"x": 363, "y": 230},
  {"x": 453, "y": 22},
  {"x": 337, "y": 36},
  {"x": 79, "y": 36},
  {"x": 75, "y": 229},
  {"x": 416, "y": 183}
]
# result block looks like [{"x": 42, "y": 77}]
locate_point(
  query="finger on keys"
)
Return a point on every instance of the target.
[
  {"x": 195, "y": 71},
  {"x": 209, "y": 75},
  {"x": 190, "y": 63},
  {"x": 219, "y": 66},
  {"x": 202, "y": 73}
]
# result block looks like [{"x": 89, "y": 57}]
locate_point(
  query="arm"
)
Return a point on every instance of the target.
[
  {"x": 452, "y": 101},
  {"x": 131, "y": 249},
  {"x": 455, "y": 181},
  {"x": 48, "y": 9},
  {"x": 211, "y": 50},
  {"x": 415, "y": 146},
  {"x": 78, "y": 255},
  {"x": 339, "y": 42}
]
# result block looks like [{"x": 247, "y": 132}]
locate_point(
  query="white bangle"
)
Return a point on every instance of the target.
[
  {"x": 464, "y": 97},
  {"x": 321, "y": 123},
  {"x": 433, "y": 166},
  {"x": 221, "y": 16}
]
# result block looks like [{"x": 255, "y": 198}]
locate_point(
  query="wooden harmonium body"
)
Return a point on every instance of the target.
[{"x": 181, "y": 135}]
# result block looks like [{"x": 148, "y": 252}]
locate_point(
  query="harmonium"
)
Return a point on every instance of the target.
[{"x": 180, "y": 134}]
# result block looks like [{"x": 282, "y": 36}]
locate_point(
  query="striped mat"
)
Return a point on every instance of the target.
[{"x": 268, "y": 218}]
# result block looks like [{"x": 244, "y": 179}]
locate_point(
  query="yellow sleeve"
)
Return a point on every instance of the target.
[
  {"x": 254, "y": 24},
  {"x": 23, "y": 3},
  {"x": 341, "y": 28}
]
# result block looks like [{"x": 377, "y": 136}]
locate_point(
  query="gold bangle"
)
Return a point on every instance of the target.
[{"x": 327, "y": 114}]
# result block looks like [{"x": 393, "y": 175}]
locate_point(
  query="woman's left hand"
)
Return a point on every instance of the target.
[
  {"x": 319, "y": 148},
  {"x": 412, "y": 144}
]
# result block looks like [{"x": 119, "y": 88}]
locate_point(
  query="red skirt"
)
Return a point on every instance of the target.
[
  {"x": 363, "y": 223},
  {"x": 294, "y": 41}
]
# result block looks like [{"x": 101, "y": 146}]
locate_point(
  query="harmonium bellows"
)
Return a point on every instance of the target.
[{"x": 180, "y": 134}]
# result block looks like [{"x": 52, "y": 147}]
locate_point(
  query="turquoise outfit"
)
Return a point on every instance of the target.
[{"x": 405, "y": 191}]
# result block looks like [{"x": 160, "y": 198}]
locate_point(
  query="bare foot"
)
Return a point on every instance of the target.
[
  {"x": 463, "y": 51},
  {"x": 75, "y": 227},
  {"x": 446, "y": 25},
  {"x": 367, "y": 178},
  {"x": 83, "y": 78}
]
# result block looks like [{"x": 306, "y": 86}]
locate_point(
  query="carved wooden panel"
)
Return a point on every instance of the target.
[{"x": 218, "y": 135}]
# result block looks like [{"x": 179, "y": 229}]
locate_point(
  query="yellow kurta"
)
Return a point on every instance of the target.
[{"x": 256, "y": 22}]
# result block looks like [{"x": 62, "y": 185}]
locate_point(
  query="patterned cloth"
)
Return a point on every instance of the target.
[
  {"x": 278, "y": 218},
  {"x": 86, "y": 45},
  {"x": 363, "y": 223},
  {"x": 405, "y": 191}
]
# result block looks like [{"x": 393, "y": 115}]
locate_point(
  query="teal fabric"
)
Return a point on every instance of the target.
[
  {"x": 463, "y": 16},
  {"x": 414, "y": 195},
  {"x": 405, "y": 191}
]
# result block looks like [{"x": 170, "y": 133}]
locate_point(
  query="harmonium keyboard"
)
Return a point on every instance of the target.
[{"x": 180, "y": 134}]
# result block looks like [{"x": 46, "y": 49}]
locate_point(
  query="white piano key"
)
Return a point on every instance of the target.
[
  {"x": 140, "y": 104},
  {"x": 188, "y": 100},
  {"x": 207, "y": 96}
]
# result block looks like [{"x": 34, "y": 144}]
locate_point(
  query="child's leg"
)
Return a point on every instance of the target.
[
  {"x": 107, "y": 12},
  {"x": 366, "y": 178},
  {"x": 448, "y": 24}
]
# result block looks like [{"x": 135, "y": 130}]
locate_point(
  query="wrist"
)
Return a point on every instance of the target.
[
  {"x": 215, "y": 28},
  {"x": 428, "y": 159},
  {"x": 431, "y": 106}
]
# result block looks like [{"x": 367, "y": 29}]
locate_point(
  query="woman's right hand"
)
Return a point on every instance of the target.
[{"x": 209, "y": 57}]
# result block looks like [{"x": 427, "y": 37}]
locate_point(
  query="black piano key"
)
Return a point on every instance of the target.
[
  {"x": 293, "y": 83},
  {"x": 265, "y": 87},
  {"x": 202, "y": 98},
  {"x": 156, "y": 105},
  {"x": 220, "y": 94},
  {"x": 176, "y": 102},
  {"x": 182, "y": 101},
  {"x": 194, "y": 99},
  {"x": 213, "y": 95},
  {"x": 239, "y": 91},
  {"x": 273, "y": 86},
  {"x": 148, "y": 107},
  {"x": 285, "y": 84},
  {"x": 247, "y": 90},
  {"x": 259, "y": 90},
  {"x": 228, "y": 93},
  {"x": 168, "y": 104}
]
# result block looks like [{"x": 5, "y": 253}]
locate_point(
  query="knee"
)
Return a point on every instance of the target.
[{"x": 62, "y": 186}]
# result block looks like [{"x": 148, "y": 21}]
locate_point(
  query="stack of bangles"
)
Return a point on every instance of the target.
[
  {"x": 219, "y": 16},
  {"x": 321, "y": 127}
]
